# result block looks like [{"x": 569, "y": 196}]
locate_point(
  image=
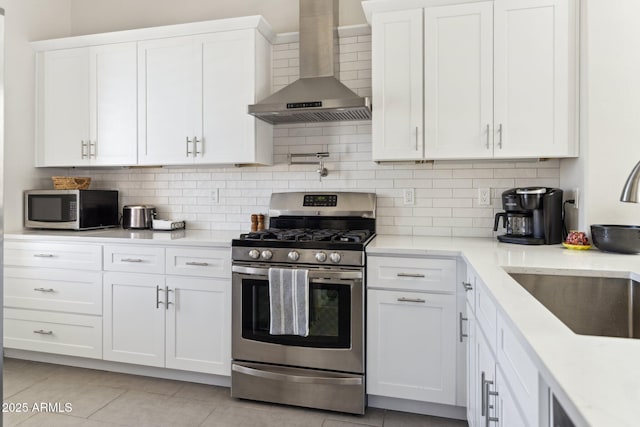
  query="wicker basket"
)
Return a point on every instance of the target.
[{"x": 71, "y": 182}]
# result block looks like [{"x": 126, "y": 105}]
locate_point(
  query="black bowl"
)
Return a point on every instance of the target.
[{"x": 624, "y": 239}]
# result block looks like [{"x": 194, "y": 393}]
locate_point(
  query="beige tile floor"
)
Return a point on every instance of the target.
[{"x": 100, "y": 398}]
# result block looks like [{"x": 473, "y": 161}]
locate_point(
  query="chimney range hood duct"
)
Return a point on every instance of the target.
[{"x": 318, "y": 96}]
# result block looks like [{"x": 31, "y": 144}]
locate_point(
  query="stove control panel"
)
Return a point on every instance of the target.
[{"x": 297, "y": 256}]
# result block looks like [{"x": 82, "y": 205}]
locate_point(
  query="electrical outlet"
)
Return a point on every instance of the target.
[
  {"x": 214, "y": 196},
  {"x": 409, "y": 196},
  {"x": 484, "y": 196}
]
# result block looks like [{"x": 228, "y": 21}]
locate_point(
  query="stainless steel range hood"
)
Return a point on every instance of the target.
[{"x": 318, "y": 96}]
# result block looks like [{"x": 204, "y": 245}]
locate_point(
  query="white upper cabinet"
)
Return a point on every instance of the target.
[
  {"x": 458, "y": 95},
  {"x": 173, "y": 95},
  {"x": 194, "y": 94},
  {"x": 397, "y": 85},
  {"x": 86, "y": 109},
  {"x": 499, "y": 79},
  {"x": 535, "y": 79}
]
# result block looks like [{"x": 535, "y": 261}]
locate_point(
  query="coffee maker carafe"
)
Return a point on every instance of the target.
[{"x": 532, "y": 216}]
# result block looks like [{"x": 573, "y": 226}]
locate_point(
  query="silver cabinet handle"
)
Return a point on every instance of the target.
[
  {"x": 489, "y": 418},
  {"x": 488, "y": 136},
  {"x": 196, "y": 141},
  {"x": 500, "y": 138},
  {"x": 92, "y": 153},
  {"x": 158, "y": 302},
  {"x": 83, "y": 149},
  {"x": 417, "y": 131},
  {"x": 467, "y": 286},
  {"x": 483, "y": 397},
  {"x": 44, "y": 255},
  {"x": 198, "y": 264},
  {"x": 462, "y": 319},
  {"x": 44, "y": 290},
  {"x": 166, "y": 297},
  {"x": 416, "y": 275},
  {"x": 486, "y": 392},
  {"x": 131, "y": 260},
  {"x": 43, "y": 332},
  {"x": 403, "y": 299},
  {"x": 188, "y": 141}
]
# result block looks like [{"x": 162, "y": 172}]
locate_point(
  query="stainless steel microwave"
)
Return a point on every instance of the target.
[{"x": 70, "y": 209}]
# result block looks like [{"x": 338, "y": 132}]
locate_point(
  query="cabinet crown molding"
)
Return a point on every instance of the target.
[
  {"x": 245, "y": 22},
  {"x": 374, "y": 6}
]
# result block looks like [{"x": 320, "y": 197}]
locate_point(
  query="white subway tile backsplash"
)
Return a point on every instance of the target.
[{"x": 445, "y": 191}]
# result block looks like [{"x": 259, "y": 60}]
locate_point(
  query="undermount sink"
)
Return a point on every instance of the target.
[{"x": 598, "y": 306}]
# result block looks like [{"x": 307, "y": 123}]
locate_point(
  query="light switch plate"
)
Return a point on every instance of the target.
[{"x": 409, "y": 196}]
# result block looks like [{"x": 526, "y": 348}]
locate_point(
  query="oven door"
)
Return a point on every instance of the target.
[{"x": 336, "y": 321}]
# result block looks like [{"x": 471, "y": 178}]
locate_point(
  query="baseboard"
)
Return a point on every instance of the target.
[
  {"x": 126, "y": 368},
  {"x": 424, "y": 408}
]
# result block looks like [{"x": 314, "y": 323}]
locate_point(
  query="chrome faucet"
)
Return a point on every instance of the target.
[{"x": 631, "y": 187}]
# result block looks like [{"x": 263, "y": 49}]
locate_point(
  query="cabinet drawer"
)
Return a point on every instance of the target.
[
  {"x": 486, "y": 313},
  {"x": 519, "y": 370},
  {"x": 415, "y": 274},
  {"x": 50, "y": 332},
  {"x": 72, "y": 291},
  {"x": 199, "y": 262},
  {"x": 53, "y": 255},
  {"x": 134, "y": 259}
]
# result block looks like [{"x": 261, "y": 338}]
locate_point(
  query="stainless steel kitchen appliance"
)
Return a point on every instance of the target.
[
  {"x": 532, "y": 216},
  {"x": 70, "y": 209},
  {"x": 138, "y": 216},
  {"x": 324, "y": 234}
]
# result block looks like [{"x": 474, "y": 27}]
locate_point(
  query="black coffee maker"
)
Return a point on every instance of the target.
[{"x": 533, "y": 216}]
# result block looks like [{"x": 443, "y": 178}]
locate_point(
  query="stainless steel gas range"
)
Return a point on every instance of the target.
[{"x": 324, "y": 236}]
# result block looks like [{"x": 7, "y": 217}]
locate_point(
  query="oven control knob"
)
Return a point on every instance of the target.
[
  {"x": 267, "y": 254},
  {"x": 321, "y": 257},
  {"x": 293, "y": 256},
  {"x": 254, "y": 253},
  {"x": 335, "y": 257}
]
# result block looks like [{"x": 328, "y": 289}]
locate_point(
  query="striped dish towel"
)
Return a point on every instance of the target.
[{"x": 289, "y": 301}]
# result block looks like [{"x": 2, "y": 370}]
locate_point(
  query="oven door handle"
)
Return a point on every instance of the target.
[
  {"x": 313, "y": 274},
  {"x": 295, "y": 378}
]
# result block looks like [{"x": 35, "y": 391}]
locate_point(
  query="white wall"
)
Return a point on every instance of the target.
[
  {"x": 24, "y": 21},
  {"x": 611, "y": 112},
  {"x": 95, "y": 16}
]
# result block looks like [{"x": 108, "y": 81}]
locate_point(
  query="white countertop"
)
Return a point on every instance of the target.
[
  {"x": 597, "y": 376},
  {"x": 207, "y": 238}
]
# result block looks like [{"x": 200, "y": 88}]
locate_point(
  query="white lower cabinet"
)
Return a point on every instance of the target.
[
  {"x": 134, "y": 306},
  {"x": 198, "y": 325},
  {"x": 411, "y": 328},
  {"x": 502, "y": 381},
  {"x": 177, "y": 322}
]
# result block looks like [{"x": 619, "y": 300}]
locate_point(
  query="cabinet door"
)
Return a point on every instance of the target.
[
  {"x": 411, "y": 346},
  {"x": 397, "y": 49},
  {"x": 532, "y": 65},
  {"x": 486, "y": 380},
  {"x": 63, "y": 108},
  {"x": 133, "y": 318},
  {"x": 226, "y": 131},
  {"x": 199, "y": 325},
  {"x": 472, "y": 372},
  {"x": 458, "y": 45},
  {"x": 114, "y": 106},
  {"x": 507, "y": 411},
  {"x": 167, "y": 85}
]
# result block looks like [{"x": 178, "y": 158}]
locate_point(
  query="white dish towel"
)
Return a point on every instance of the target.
[{"x": 289, "y": 301}]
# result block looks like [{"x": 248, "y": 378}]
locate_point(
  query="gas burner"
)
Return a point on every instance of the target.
[{"x": 308, "y": 235}]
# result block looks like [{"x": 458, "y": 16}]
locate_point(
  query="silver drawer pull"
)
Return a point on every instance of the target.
[
  {"x": 467, "y": 286},
  {"x": 403, "y": 299},
  {"x": 131, "y": 260},
  {"x": 43, "y": 255},
  {"x": 44, "y": 289},
  {"x": 199, "y": 264},
  {"x": 43, "y": 332},
  {"x": 417, "y": 275}
]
